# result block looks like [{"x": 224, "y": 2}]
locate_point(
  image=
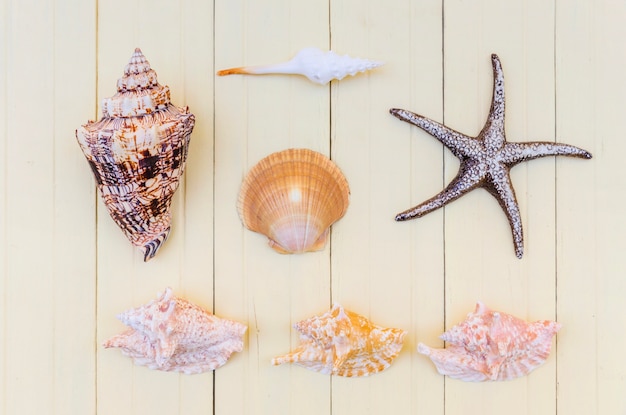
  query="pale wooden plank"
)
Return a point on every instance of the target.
[
  {"x": 390, "y": 272},
  {"x": 74, "y": 381},
  {"x": 590, "y": 98},
  {"x": 30, "y": 202},
  {"x": 4, "y": 47},
  {"x": 254, "y": 117},
  {"x": 194, "y": 215},
  {"x": 610, "y": 266},
  {"x": 195, "y": 209},
  {"x": 480, "y": 260},
  {"x": 169, "y": 34},
  {"x": 29, "y": 352},
  {"x": 577, "y": 285},
  {"x": 228, "y": 147},
  {"x": 230, "y": 140}
]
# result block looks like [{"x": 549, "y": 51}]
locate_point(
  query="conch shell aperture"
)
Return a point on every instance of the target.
[
  {"x": 293, "y": 197},
  {"x": 490, "y": 345},
  {"x": 137, "y": 152},
  {"x": 318, "y": 66},
  {"x": 343, "y": 343},
  {"x": 172, "y": 334}
]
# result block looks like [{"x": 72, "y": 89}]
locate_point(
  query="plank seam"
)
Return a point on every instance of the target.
[
  {"x": 443, "y": 176},
  {"x": 95, "y": 219},
  {"x": 556, "y": 262}
]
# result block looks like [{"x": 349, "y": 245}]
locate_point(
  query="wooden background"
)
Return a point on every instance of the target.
[{"x": 66, "y": 270}]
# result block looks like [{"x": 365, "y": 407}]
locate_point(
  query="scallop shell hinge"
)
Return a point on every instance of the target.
[
  {"x": 172, "y": 334},
  {"x": 343, "y": 343},
  {"x": 318, "y": 66},
  {"x": 490, "y": 345},
  {"x": 137, "y": 152},
  {"x": 293, "y": 197}
]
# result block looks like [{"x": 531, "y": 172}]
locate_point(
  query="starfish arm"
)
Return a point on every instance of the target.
[
  {"x": 502, "y": 189},
  {"x": 460, "y": 144},
  {"x": 514, "y": 153},
  {"x": 468, "y": 178},
  {"x": 497, "y": 100},
  {"x": 492, "y": 134}
]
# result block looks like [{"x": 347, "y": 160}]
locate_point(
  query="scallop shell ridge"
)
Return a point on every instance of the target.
[
  {"x": 293, "y": 197},
  {"x": 343, "y": 343},
  {"x": 137, "y": 153},
  {"x": 492, "y": 346},
  {"x": 173, "y": 334}
]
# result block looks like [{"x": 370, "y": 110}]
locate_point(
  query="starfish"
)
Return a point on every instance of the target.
[{"x": 486, "y": 160}]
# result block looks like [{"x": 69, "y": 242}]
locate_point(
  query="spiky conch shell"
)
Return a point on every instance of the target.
[
  {"x": 293, "y": 197},
  {"x": 173, "y": 334},
  {"x": 137, "y": 152},
  {"x": 490, "y": 345},
  {"x": 343, "y": 343},
  {"x": 318, "y": 66}
]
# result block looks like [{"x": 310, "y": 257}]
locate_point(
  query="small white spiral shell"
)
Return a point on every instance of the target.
[{"x": 318, "y": 66}]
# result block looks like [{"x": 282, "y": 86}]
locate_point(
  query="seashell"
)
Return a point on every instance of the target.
[
  {"x": 292, "y": 197},
  {"x": 137, "y": 152},
  {"x": 172, "y": 334},
  {"x": 344, "y": 343},
  {"x": 319, "y": 66},
  {"x": 490, "y": 345}
]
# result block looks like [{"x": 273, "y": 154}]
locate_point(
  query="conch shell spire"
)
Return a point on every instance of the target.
[{"x": 318, "y": 66}]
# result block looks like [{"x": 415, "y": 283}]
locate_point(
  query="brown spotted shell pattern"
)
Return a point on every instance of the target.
[
  {"x": 137, "y": 152},
  {"x": 293, "y": 197},
  {"x": 172, "y": 334},
  {"x": 343, "y": 343}
]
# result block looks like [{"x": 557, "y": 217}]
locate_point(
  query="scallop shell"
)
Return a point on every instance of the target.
[
  {"x": 344, "y": 343},
  {"x": 137, "y": 152},
  {"x": 490, "y": 345},
  {"x": 318, "y": 66},
  {"x": 292, "y": 197},
  {"x": 172, "y": 334}
]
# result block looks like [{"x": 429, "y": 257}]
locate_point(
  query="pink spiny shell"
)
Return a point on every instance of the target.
[
  {"x": 344, "y": 343},
  {"x": 491, "y": 345},
  {"x": 172, "y": 334}
]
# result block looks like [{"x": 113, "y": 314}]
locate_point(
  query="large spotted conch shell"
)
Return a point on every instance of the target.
[
  {"x": 343, "y": 343},
  {"x": 137, "y": 153},
  {"x": 491, "y": 345},
  {"x": 172, "y": 334},
  {"x": 292, "y": 197},
  {"x": 318, "y": 66}
]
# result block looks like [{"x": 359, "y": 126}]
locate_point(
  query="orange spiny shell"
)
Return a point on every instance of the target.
[
  {"x": 489, "y": 345},
  {"x": 292, "y": 197},
  {"x": 344, "y": 343}
]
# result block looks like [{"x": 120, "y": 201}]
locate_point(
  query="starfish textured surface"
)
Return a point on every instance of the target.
[{"x": 486, "y": 160}]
